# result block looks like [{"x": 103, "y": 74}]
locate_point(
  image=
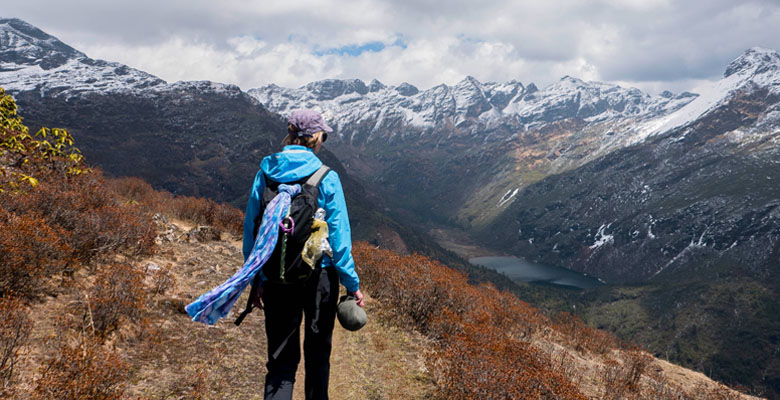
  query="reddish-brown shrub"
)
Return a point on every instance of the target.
[
  {"x": 133, "y": 188},
  {"x": 196, "y": 210},
  {"x": 416, "y": 287},
  {"x": 659, "y": 387},
  {"x": 81, "y": 372},
  {"x": 162, "y": 279},
  {"x": 45, "y": 176},
  {"x": 31, "y": 251},
  {"x": 483, "y": 363},
  {"x": 719, "y": 392},
  {"x": 480, "y": 332},
  {"x": 613, "y": 381},
  {"x": 15, "y": 326},
  {"x": 622, "y": 379},
  {"x": 118, "y": 293},
  {"x": 582, "y": 337},
  {"x": 207, "y": 212},
  {"x": 636, "y": 362},
  {"x": 95, "y": 223}
]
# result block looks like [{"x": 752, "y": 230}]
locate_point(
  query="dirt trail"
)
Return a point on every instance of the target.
[{"x": 380, "y": 361}]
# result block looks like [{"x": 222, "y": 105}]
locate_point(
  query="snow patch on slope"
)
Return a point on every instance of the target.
[
  {"x": 710, "y": 96},
  {"x": 756, "y": 68},
  {"x": 602, "y": 238},
  {"x": 507, "y": 197}
]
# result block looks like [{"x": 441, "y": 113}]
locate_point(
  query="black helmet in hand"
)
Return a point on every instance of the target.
[{"x": 351, "y": 316}]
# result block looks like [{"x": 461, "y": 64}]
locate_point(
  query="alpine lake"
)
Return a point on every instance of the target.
[{"x": 518, "y": 269}]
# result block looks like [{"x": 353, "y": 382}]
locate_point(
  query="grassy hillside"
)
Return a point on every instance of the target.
[{"x": 712, "y": 326}]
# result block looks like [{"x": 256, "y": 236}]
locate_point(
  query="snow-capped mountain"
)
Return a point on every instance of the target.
[
  {"x": 464, "y": 152},
  {"x": 32, "y": 60},
  {"x": 195, "y": 138},
  {"x": 470, "y": 106},
  {"x": 22, "y": 44},
  {"x": 685, "y": 192},
  {"x": 757, "y": 69},
  {"x": 376, "y": 110},
  {"x": 513, "y": 133},
  {"x": 508, "y": 135}
]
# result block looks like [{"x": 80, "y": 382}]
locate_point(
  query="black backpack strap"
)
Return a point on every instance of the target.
[
  {"x": 256, "y": 283},
  {"x": 315, "y": 178}
]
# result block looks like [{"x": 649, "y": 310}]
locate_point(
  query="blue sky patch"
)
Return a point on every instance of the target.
[{"x": 355, "y": 50}]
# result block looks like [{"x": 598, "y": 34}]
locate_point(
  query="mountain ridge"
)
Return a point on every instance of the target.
[
  {"x": 32, "y": 60},
  {"x": 31, "y": 45},
  {"x": 552, "y": 130},
  {"x": 488, "y": 103},
  {"x": 197, "y": 138}
]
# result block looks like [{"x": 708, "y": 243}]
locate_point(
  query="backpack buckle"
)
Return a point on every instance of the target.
[{"x": 287, "y": 225}]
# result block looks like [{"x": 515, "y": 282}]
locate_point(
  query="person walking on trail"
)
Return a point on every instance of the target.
[{"x": 315, "y": 297}]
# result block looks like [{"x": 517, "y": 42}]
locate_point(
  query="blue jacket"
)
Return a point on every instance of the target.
[{"x": 292, "y": 164}]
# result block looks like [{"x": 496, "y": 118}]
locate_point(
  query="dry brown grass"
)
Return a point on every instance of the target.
[
  {"x": 15, "y": 327},
  {"x": 380, "y": 361},
  {"x": 117, "y": 295}
]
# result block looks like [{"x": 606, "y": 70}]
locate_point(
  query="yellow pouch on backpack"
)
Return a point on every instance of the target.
[{"x": 317, "y": 244}]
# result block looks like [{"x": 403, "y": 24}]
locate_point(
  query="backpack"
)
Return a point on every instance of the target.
[{"x": 293, "y": 271}]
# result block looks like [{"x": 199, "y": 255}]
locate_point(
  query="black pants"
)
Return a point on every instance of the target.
[{"x": 284, "y": 305}]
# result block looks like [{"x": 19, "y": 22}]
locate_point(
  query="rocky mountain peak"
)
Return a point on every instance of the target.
[
  {"x": 754, "y": 60},
  {"x": 469, "y": 86},
  {"x": 570, "y": 81},
  {"x": 376, "y": 86},
  {"x": 22, "y": 43},
  {"x": 469, "y": 80},
  {"x": 407, "y": 89},
  {"x": 328, "y": 89},
  {"x": 32, "y": 60}
]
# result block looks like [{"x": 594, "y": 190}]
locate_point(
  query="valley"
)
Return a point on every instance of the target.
[{"x": 670, "y": 199}]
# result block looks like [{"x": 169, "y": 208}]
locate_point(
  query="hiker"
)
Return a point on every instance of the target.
[{"x": 316, "y": 297}]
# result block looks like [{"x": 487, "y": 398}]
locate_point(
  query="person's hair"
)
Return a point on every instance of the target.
[{"x": 313, "y": 142}]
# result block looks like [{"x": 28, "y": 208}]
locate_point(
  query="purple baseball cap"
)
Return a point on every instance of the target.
[{"x": 308, "y": 122}]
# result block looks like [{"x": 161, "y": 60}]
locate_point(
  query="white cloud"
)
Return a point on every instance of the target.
[{"x": 643, "y": 43}]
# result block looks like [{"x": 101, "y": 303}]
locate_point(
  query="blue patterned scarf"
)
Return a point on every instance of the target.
[{"x": 217, "y": 302}]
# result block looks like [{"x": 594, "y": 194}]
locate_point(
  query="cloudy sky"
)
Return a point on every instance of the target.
[{"x": 651, "y": 44}]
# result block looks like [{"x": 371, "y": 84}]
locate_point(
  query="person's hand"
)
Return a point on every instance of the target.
[
  {"x": 258, "y": 300},
  {"x": 359, "y": 298}
]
